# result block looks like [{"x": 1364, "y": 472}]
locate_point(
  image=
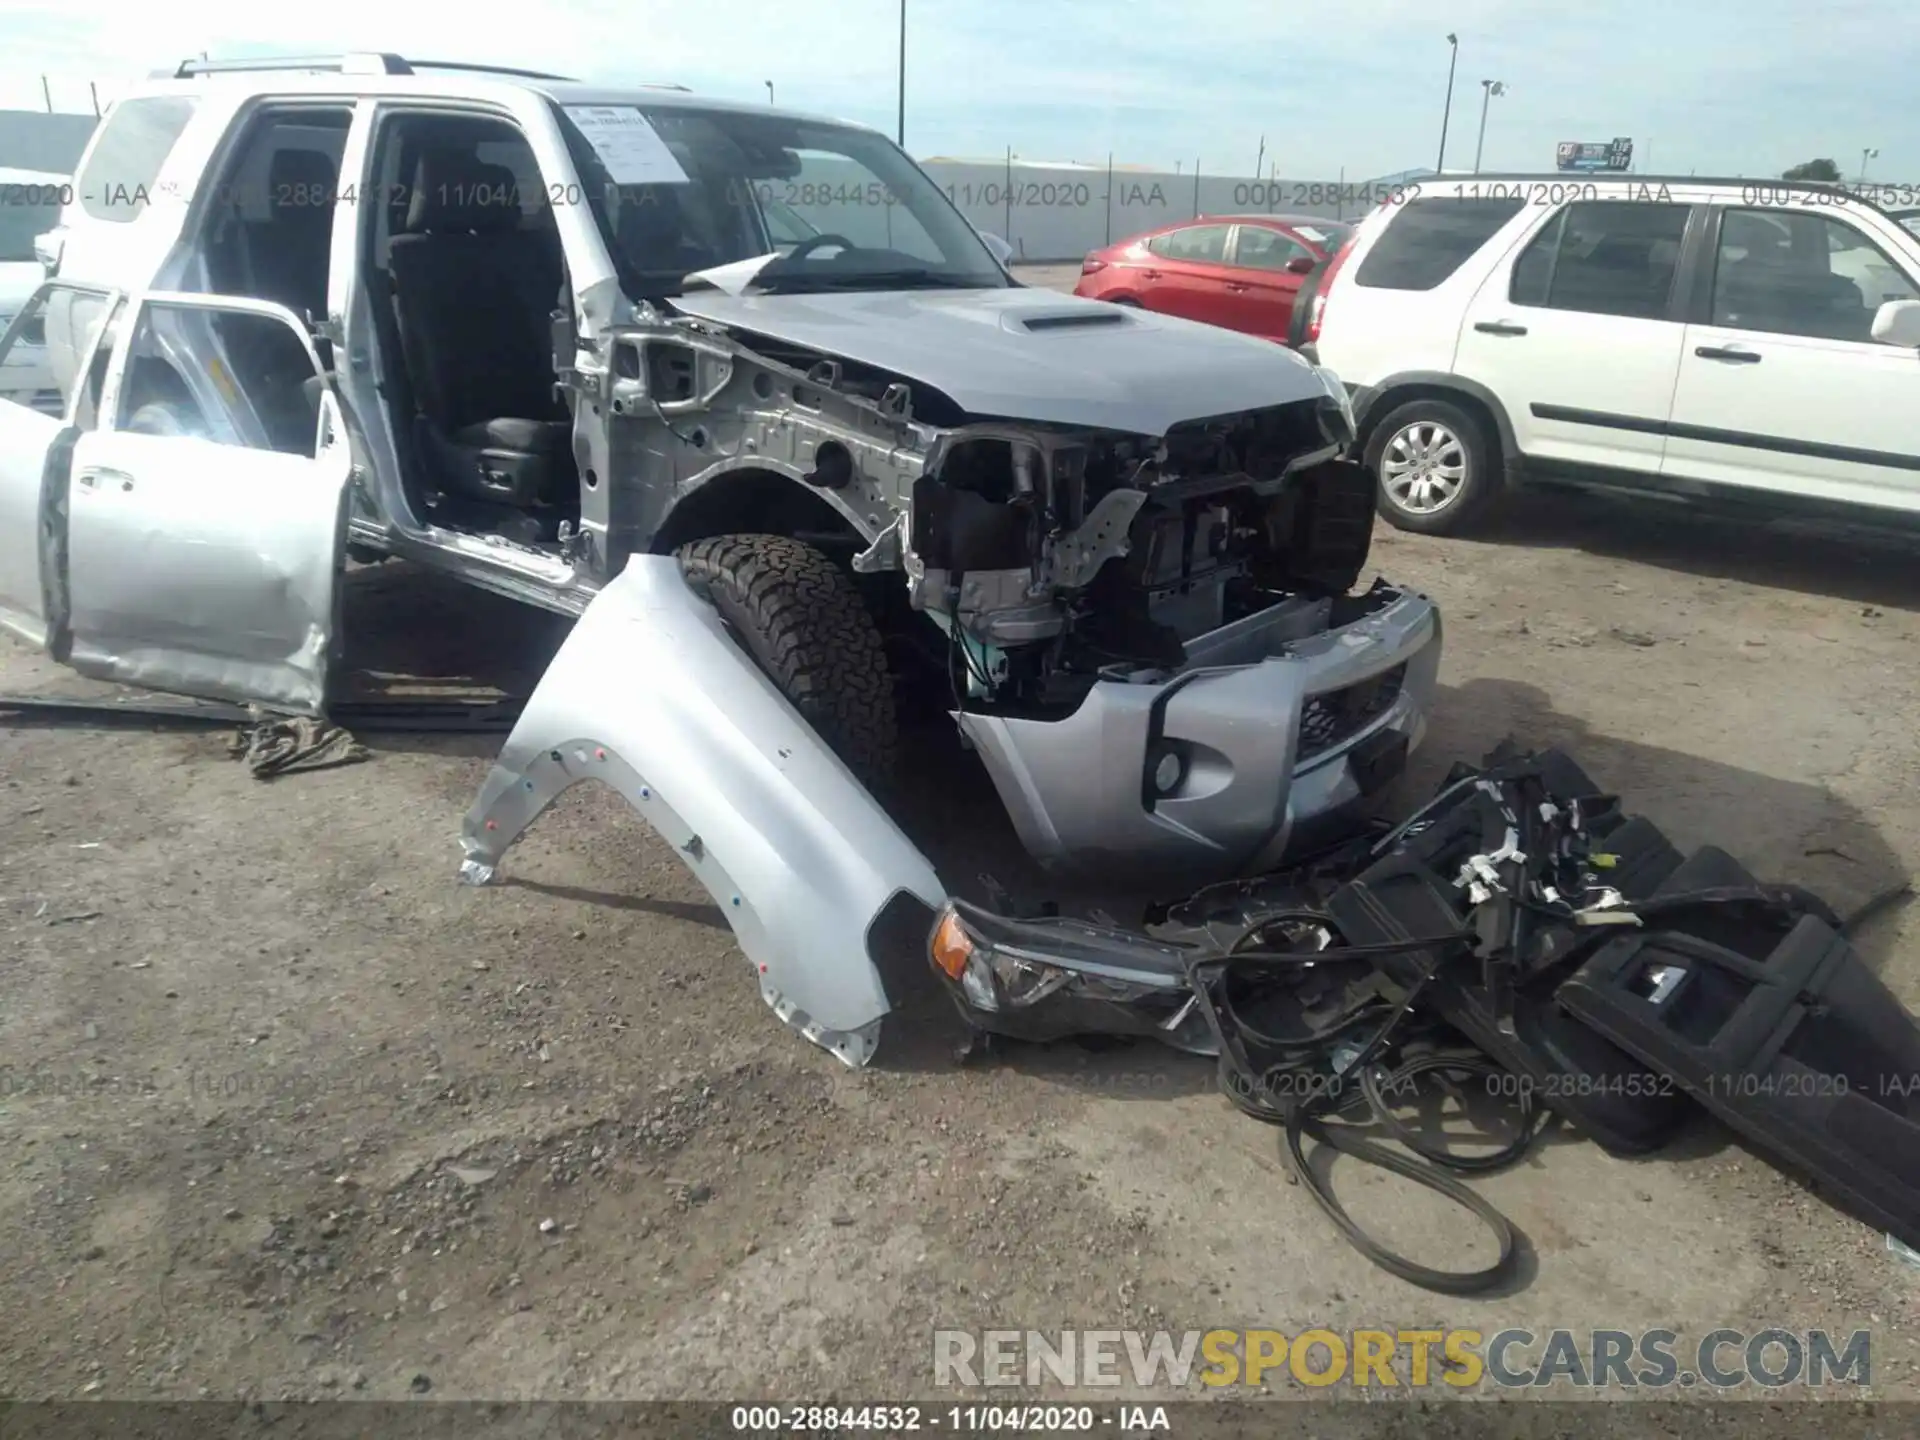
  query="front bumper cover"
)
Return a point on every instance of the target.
[{"x": 1282, "y": 726}]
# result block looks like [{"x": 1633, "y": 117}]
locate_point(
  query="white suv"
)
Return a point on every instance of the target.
[
  {"x": 529, "y": 332},
  {"x": 1712, "y": 340}
]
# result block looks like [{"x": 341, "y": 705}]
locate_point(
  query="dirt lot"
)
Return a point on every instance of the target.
[
  {"x": 287, "y": 1112},
  {"x": 334, "y": 1097}
]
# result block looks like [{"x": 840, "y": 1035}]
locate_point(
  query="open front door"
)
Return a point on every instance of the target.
[
  {"x": 206, "y": 516},
  {"x": 49, "y": 384}
]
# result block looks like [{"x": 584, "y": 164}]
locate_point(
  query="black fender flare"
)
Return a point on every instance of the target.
[{"x": 1372, "y": 402}]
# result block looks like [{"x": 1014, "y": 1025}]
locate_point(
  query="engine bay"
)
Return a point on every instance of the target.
[{"x": 1053, "y": 559}]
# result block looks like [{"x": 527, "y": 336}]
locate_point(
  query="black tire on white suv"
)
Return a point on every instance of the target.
[
  {"x": 801, "y": 619},
  {"x": 1435, "y": 467}
]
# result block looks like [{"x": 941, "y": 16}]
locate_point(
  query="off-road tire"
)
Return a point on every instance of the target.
[
  {"x": 801, "y": 619},
  {"x": 1482, "y": 483}
]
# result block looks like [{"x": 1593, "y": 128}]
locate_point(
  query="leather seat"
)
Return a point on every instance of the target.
[{"x": 474, "y": 294}]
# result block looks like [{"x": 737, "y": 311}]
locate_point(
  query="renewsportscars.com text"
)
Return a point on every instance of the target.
[{"x": 1396, "y": 1359}]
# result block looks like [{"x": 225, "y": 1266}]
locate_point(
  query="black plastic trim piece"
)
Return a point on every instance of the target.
[
  {"x": 1368, "y": 400},
  {"x": 1746, "y": 439}
]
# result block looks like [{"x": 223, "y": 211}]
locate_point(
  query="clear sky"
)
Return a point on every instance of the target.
[{"x": 1724, "y": 88}]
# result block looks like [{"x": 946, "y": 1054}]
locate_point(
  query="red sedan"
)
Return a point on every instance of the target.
[{"x": 1237, "y": 271}]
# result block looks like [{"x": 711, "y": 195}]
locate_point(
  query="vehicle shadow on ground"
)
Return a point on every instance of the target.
[
  {"x": 699, "y": 914},
  {"x": 1870, "y": 567},
  {"x": 417, "y": 635}
]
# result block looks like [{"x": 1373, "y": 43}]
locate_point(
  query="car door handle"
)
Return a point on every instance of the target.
[
  {"x": 90, "y": 479},
  {"x": 1499, "y": 327},
  {"x": 1727, "y": 353},
  {"x": 1151, "y": 274},
  {"x": 1235, "y": 285}
]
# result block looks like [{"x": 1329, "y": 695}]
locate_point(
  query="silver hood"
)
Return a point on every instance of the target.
[{"x": 1030, "y": 354}]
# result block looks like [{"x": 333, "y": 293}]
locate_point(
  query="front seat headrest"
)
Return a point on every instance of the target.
[
  {"x": 455, "y": 192},
  {"x": 300, "y": 181}
]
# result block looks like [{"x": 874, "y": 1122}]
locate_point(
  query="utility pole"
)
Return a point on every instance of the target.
[
  {"x": 900, "y": 130},
  {"x": 1488, "y": 89},
  {"x": 1865, "y": 156},
  {"x": 46, "y": 93},
  {"x": 1453, "y": 41},
  {"x": 769, "y": 85},
  {"x": 1109, "y": 239}
]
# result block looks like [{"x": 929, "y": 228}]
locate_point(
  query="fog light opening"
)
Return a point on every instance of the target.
[{"x": 1168, "y": 771}]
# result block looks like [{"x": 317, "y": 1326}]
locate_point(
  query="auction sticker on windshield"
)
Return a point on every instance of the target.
[{"x": 627, "y": 145}]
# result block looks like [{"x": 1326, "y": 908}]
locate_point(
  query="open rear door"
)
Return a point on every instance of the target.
[
  {"x": 48, "y": 387},
  {"x": 206, "y": 516}
]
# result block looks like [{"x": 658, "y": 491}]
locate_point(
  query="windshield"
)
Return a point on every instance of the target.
[
  {"x": 20, "y": 222},
  {"x": 1910, "y": 219},
  {"x": 677, "y": 190}
]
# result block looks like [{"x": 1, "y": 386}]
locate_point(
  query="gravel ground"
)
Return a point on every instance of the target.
[{"x": 290, "y": 1114}]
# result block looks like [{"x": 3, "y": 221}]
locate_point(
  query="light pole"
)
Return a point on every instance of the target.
[
  {"x": 900, "y": 128},
  {"x": 1488, "y": 89},
  {"x": 1865, "y": 156},
  {"x": 1453, "y": 41},
  {"x": 769, "y": 85}
]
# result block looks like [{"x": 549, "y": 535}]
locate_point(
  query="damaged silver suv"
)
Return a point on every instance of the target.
[{"x": 536, "y": 334}]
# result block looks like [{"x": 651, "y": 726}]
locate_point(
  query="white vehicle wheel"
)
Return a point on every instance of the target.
[
  {"x": 1424, "y": 467},
  {"x": 1435, "y": 468}
]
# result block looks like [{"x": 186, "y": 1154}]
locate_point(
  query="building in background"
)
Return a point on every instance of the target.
[{"x": 35, "y": 140}]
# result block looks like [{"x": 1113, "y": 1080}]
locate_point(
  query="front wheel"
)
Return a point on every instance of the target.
[
  {"x": 801, "y": 619},
  {"x": 1435, "y": 468}
]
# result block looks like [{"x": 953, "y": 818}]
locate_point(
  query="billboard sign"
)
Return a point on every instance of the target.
[{"x": 1614, "y": 154}]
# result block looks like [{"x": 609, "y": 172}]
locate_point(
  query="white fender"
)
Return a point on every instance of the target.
[{"x": 650, "y": 695}]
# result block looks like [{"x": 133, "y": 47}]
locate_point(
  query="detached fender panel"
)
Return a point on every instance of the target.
[{"x": 651, "y": 696}]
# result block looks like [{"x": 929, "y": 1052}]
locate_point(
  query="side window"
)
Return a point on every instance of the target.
[
  {"x": 1205, "y": 244},
  {"x": 133, "y": 143},
  {"x": 1793, "y": 272},
  {"x": 1603, "y": 257},
  {"x": 1430, "y": 239},
  {"x": 235, "y": 377},
  {"x": 27, "y": 211},
  {"x": 270, "y": 225},
  {"x": 1259, "y": 248},
  {"x": 53, "y": 351}
]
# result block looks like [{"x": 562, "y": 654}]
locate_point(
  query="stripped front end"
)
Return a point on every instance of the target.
[{"x": 1146, "y": 633}]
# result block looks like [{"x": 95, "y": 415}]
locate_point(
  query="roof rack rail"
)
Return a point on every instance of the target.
[
  {"x": 351, "y": 63},
  {"x": 463, "y": 65}
]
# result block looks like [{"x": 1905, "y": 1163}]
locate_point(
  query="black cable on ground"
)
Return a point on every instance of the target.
[
  {"x": 1445, "y": 1282},
  {"x": 1873, "y": 905},
  {"x": 1302, "y": 1116},
  {"x": 1300, "y": 1089}
]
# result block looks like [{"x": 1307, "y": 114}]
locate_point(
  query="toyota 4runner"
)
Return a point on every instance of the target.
[{"x": 529, "y": 332}]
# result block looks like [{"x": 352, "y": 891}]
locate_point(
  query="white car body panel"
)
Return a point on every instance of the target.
[{"x": 650, "y": 695}]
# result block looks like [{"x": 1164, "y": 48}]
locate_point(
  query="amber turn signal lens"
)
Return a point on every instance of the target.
[{"x": 950, "y": 946}]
